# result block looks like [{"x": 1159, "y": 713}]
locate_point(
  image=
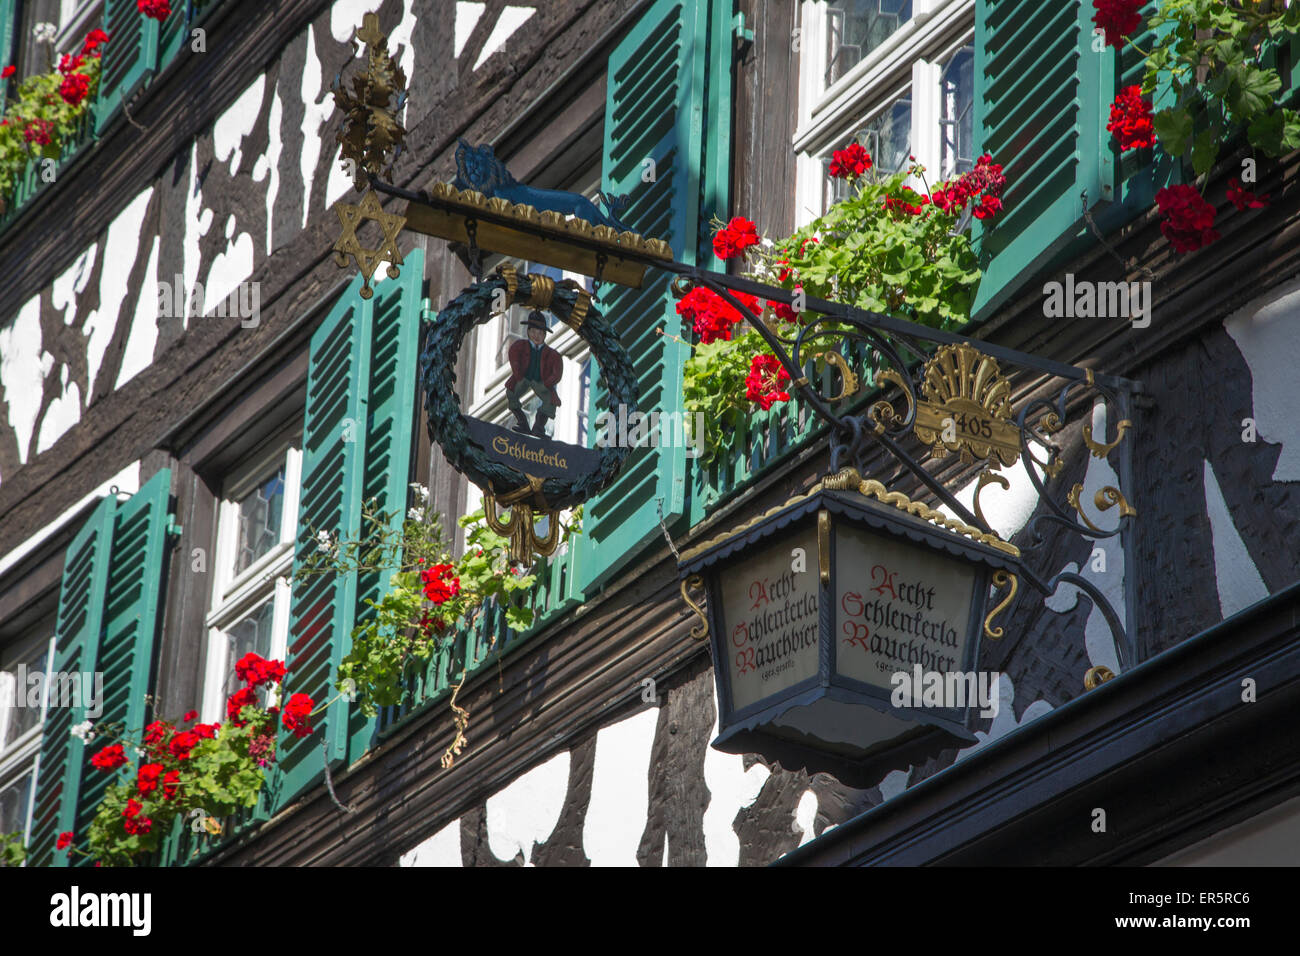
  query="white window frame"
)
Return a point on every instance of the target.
[
  {"x": 910, "y": 60},
  {"x": 23, "y": 754},
  {"x": 234, "y": 596}
]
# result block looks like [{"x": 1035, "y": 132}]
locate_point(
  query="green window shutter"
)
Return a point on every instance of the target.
[
  {"x": 174, "y": 33},
  {"x": 8, "y": 29},
  {"x": 109, "y": 611},
  {"x": 357, "y": 441},
  {"x": 129, "y": 57},
  {"x": 1042, "y": 100},
  {"x": 668, "y": 100}
]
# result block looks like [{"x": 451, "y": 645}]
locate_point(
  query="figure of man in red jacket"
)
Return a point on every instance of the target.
[{"x": 536, "y": 366}]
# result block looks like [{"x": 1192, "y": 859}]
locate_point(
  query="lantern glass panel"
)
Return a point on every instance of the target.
[
  {"x": 899, "y": 605},
  {"x": 770, "y": 617}
]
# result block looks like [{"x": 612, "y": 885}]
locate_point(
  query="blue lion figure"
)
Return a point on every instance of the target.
[{"x": 478, "y": 168}]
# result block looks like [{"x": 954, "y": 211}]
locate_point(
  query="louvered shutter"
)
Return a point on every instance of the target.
[
  {"x": 109, "y": 611},
  {"x": 668, "y": 100},
  {"x": 8, "y": 30},
  {"x": 1042, "y": 99},
  {"x": 174, "y": 33},
  {"x": 129, "y": 57},
  {"x": 357, "y": 439}
]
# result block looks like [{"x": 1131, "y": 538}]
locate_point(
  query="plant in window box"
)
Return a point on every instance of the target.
[
  {"x": 203, "y": 771},
  {"x": 885, "y": 248},
  {"x": 47, "y": 112},
  {"x": 1212, "y": 56},
  {"x": 430, "y": 595}
]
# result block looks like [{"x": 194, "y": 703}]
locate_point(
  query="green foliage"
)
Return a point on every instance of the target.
[
  {"x": 39, "y": 99},
  {"x": 1213, "y": 56},
  {"x": 915, "y": 265},
  {"x": 405, "y": 628},
  {"x": 919, "y": 267},
  {"x": 12, "y": 851}
]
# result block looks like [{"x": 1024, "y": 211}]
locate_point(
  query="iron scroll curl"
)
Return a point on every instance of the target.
[{"x": 441, "y": 343}]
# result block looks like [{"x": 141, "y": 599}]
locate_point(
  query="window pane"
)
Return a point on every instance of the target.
[
  {"x": 22, "y": 718},
  {"x": 253, "y": 634},
  {"x": 260, "y": 514},
  {"x": 13, "y": 804},
  {"x": 956, "y": 134},
  {"x": 856, "y": 27},
  {"x": 888, "y": 138}
]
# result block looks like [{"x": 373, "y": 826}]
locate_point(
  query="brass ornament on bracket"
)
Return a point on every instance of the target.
[
  {"x": 1096, "y": 676},
  {"x": 696, "y": 583},
  {"x": 966, "y": 395},
  {"x": 370, "y": 130},
  {"x": 520, "y": 527},
  {"x": 349, "y": 244},
  {"x": 1105, "y": 499},
  {"x": 1001, "y": 579}
]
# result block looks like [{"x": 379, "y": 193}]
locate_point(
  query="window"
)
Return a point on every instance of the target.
[
  {"x": 253, "y": 558},
  {"x": 896, "y": 76},
  {"x": 22, "y": 712},
  {"x": 71, "y": 19}
]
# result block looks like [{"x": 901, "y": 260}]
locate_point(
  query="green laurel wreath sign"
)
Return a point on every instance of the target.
[{"x": 447, "y": 423}]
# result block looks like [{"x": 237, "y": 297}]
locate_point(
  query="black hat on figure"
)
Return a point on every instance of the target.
[{"x": 537, "y": 321}]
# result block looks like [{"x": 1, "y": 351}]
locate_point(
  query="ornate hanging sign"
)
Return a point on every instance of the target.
[{"x": 522, "y": 469}]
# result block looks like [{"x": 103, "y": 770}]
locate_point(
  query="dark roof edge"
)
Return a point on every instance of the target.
[{"x": 1032, "y": 782}]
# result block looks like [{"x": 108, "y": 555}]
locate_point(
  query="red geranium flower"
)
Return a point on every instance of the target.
[
  {"x": 183, "y": 743},
  {"x": 1119, "y": 18},
  {"x": 1244, "y": 198},
  {"x": 734, "y": 238},
  {"x": 253, "y": 669},
  {"x": 440, "y": 584},
  {"x": 64, "y": 841},
  {"x": 711, "y": 316},
  {"x": 141, "y": 826},
  {"x": 1131, "y": 120},
  {"x": 94, "y": 40},
  {"x": 1189, "y": 219},
  {"x": 206, "y": 731},
  {"x": 763, "y": 384},
  {"x": 110, "y": 758},
  {"x": 7, "y": 72},
  {"x": 244, "y": 697},
  {"x": 986, "y": 206},
  {"x": 133, "y": 807},
  {"x": 158, "y": 9},
  {"x": 171, "y": 783},
  {"x": 146, "y": 780},
  {"x": 851, "y": 162},
  {"x": 39, "y": 131},
  {"x": 74, "y": 88},
  {"x": 902, "y": 203},
  {"x": 296, "y": 714},
  {"x": 190, "y": 715}
]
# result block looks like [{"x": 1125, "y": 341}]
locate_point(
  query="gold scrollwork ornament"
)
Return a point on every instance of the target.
[
  {"x": 1000, "y": 580},
  {"x": 695, "y": 583}
]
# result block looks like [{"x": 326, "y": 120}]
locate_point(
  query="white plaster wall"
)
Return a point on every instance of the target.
[
  {"x": 441, "y": 849},
  {"x": 237, "y": 122},
  {"x": 511, "y": 19},
  {"x": 731, "y": 789},
  {"x": 526, "y": 812},
  {"x": 143, "y": 337},
  {"x": 1235, "y": 575},
  {"x": 22, "y": 373},
  {"x": 1267, "y": 331},
  {"x": 121, "y": 247},
  {"x": 467, "y": 17},
  {"x": 1005, "y": 721},
  {"x": 620, "y": 790}
]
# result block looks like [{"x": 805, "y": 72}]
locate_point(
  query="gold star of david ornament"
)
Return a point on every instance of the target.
[{"x": 349, "y": 244}]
